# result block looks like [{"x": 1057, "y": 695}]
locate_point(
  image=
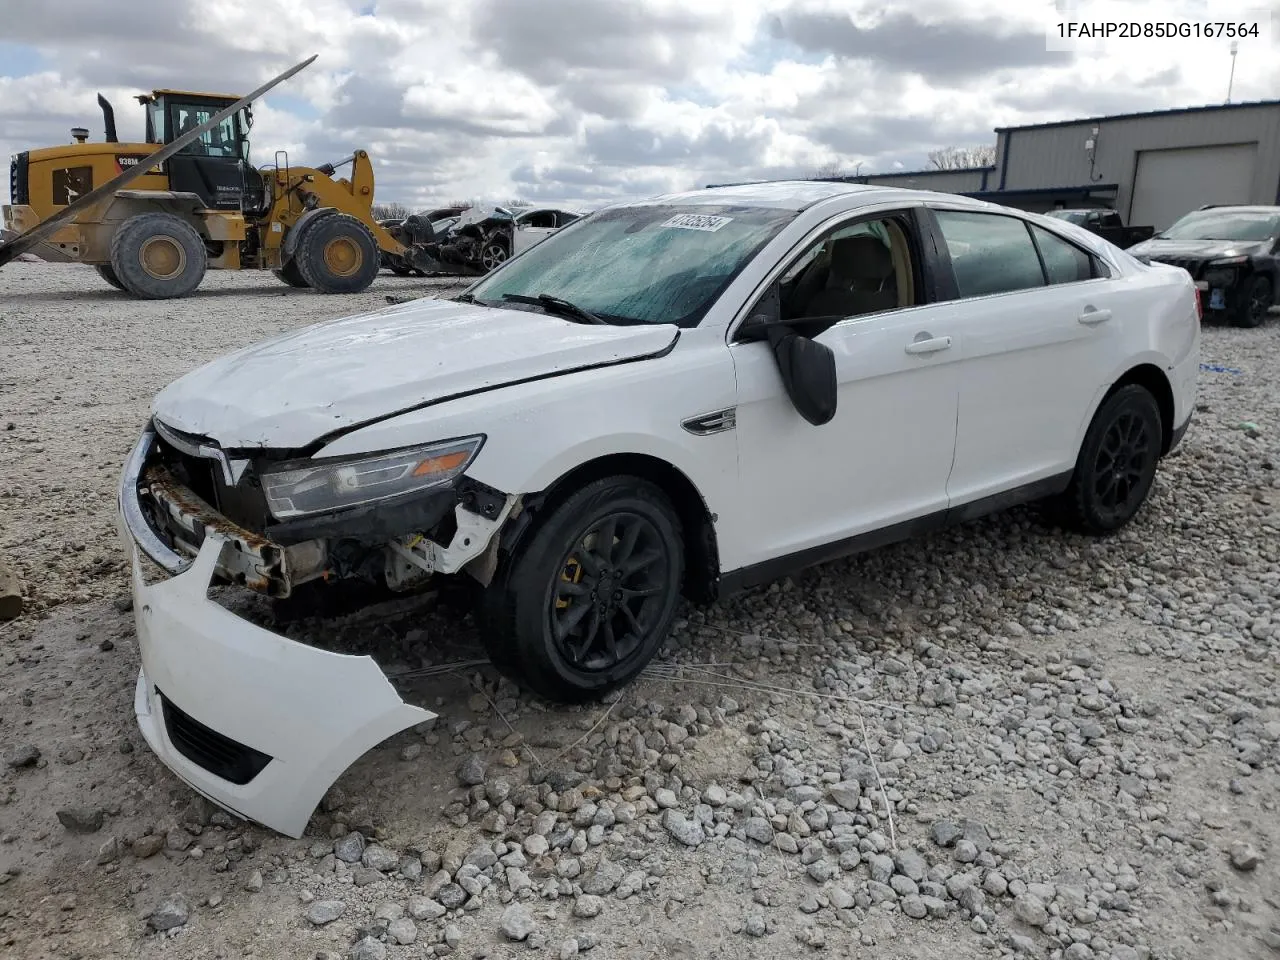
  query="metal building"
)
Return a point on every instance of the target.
[{"x": 1150, "y": 167}]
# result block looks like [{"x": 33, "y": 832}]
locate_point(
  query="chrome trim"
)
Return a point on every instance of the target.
[
  {"x": 135, "y": 521},
  {"x": 232, "y": 470},
  {"x": 707, "y": 424}
]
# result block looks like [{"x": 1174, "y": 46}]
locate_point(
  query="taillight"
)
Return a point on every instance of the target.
[{"x": 1199, "y": 306}]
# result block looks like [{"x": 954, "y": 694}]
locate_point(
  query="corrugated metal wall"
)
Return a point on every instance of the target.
[
  {"x": 946, "y": 181},
  {"x": 1055, "y": 156}
]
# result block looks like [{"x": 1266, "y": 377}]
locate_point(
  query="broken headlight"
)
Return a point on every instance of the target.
[{"x": 305, "y": 487}]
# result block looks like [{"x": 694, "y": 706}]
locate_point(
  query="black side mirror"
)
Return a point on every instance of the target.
[{"x": 808, "y": 371}]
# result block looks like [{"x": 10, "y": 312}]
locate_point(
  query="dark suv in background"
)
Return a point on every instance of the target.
[{"x": 1231, "y": 253}]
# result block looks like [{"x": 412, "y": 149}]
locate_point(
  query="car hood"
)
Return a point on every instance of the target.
[
  {"x": 291, "y": 390},
  {"x": 1195, "y": 249}
]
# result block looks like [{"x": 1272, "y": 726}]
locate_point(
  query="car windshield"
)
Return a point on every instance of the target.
[
  {"x": 1071, "y": 216},
  {"x": 1225, "y": 225},
  {"x": 639, "y": 264}
]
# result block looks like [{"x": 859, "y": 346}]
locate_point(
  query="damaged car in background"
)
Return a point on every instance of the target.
[
  {"x": 485, "y": 238},
  {"x": 420, "y": 228},
  {"x": 665, "y": 399},
  {"x": 1232, "y": 254}
]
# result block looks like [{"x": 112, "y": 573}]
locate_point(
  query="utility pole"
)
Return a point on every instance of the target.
[{"x": 1235, "y": 46}]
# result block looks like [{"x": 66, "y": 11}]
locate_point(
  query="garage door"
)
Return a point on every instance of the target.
[{"x": 1170, "y": 183}]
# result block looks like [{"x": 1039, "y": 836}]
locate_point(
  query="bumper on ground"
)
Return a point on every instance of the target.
[{"x": 259, "y": 724}]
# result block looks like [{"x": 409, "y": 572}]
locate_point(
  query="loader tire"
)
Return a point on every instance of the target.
[
  {"x": 109, "y": 275},
  {"x": 157, "y": 256},
  {"x": 290, "y": 274},
  {"x": 338, "y": 254}
]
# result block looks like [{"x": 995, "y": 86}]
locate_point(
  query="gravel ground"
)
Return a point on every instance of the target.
[{"x": 992, "y": 742}]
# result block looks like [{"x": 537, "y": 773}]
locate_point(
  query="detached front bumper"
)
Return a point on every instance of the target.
[{"x": 259, "y": 724}]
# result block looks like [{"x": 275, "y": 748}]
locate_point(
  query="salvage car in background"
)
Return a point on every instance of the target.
[
  {"x": 1232, "y": 254},
  {"x": 413, "y": 228},
  {"x": 1105, "y": 223},
  {"x": 687, "y": 395},
  {"x": 487, "y": 236}
]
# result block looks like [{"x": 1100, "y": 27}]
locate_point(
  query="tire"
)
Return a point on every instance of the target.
[
  {"x": 532, "y": 590},
  {"x": 338, "y": 254},
  {"x": 290, "y": 274},
  {"x": 157, "y": 256},
  {"x": 1254, "y": 305},
  {"x": 1125, "y": 432},
  {"x": 109, "y": 275},
  {"x": 494, "y": 252}
]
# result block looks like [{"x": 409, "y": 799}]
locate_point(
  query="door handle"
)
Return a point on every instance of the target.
[
  {"x": 929, "y": 345},
  {"x": 1092, "y": 316}
]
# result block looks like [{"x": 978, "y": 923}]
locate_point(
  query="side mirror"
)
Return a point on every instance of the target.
[{"x": 808, "y": 371}]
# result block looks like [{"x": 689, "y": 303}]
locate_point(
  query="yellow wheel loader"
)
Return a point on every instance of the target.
[{"x": 195, "y": 202}]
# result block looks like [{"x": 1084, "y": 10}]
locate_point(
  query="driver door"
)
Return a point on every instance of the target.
[{"x": 878, "y": 469}]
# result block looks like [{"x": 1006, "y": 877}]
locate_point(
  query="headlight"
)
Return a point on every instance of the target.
[
  {"x": 301, "y": 488},
  {"x": 1229, "y": 262}
]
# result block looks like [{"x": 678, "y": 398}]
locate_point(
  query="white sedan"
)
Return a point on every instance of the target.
[{"x": 686, "y": 395}]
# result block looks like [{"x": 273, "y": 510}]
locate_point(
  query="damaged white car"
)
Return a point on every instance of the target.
[{"x": 678, "y": 396}]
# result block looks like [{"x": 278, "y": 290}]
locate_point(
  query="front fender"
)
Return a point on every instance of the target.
[{"x": 536, "y": 432}]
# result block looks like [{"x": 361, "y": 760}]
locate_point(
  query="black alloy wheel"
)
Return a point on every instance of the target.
[
  {"x": 609, "y": 593},
  {"x": 1125, "y": 456},
  {"x": 587, "y": 595},
  {"x": 1117, "y": 463}
]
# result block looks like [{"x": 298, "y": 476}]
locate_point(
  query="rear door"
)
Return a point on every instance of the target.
[{"x": 1040, "y": 323}]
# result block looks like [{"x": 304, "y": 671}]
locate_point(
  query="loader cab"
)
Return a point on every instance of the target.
[{"x": 215, "y": 166}]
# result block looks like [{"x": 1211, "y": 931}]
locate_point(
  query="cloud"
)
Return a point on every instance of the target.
[
  {"x": 578, "y": 102},
  {"x": 945, "y": 50}
]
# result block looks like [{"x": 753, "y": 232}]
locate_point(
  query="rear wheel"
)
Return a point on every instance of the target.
[
  {"x": 1116, "y": 465},
  {"x": 109, "y": 275},
  {"x": 158, "y": 256},
  {"x": 338, "y": 254},
  {"x": 290, "y": 274},
  {"x": 583, "y": 605},
  {"x": 1255, "y": 304}
]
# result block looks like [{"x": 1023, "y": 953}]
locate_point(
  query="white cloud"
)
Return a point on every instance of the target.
[{"x": 584, "y": 100}]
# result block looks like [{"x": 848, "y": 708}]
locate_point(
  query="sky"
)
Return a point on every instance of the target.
[{"x": 581, "y": 102}]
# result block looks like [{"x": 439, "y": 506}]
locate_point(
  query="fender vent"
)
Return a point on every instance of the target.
[
  {"x": 709, "y": 423},
  {"x": 210, "y": 750}
]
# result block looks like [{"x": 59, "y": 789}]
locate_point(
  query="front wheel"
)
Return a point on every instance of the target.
[
  {"x": 1255, "y": 304},
  {"x": 338, "y": 254},
  {"x": 493, "y": 253},
  {"x": 586, "y": 602},
  {"x": 1116, "y": 465}
]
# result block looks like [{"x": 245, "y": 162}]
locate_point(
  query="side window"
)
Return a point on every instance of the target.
[
  {"x": 856, "y": 268},
  {"x": 990, "y": 252},
  {"x": 1064, "y": 262}
]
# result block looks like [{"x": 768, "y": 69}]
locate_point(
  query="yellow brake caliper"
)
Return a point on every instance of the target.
[{"x": 572, "y": 573}]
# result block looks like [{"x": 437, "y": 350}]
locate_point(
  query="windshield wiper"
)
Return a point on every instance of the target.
[
  {"x": 558, "y": 306},
  {"x": 465, "y": 298}
]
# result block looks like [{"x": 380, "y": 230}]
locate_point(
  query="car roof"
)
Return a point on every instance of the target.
[
  {"x": 1240, "y": 208},
  {"x": 798, "y": 195}
]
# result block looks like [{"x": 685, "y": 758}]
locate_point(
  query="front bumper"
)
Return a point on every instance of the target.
[{"x": 259, "y": 724}]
